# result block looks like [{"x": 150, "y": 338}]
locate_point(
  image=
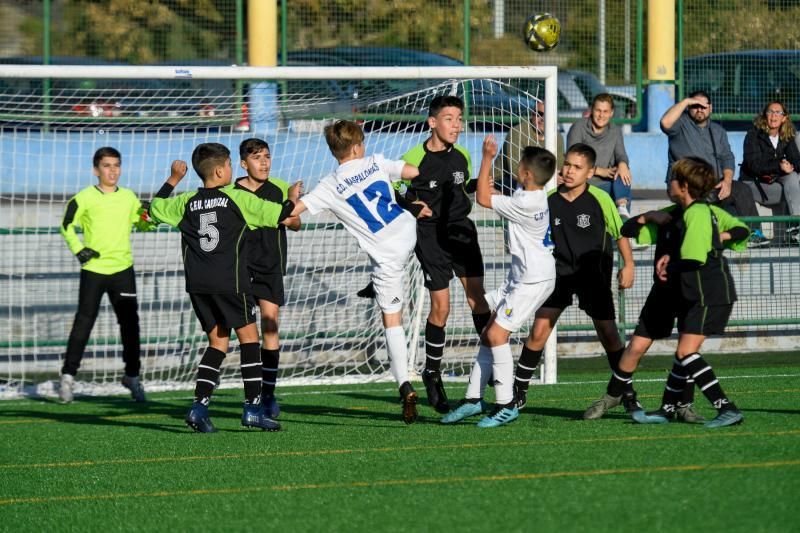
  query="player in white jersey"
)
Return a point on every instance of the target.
[
  {"x": 359, "y": 193},
  {"x": 530, "y": 280}
]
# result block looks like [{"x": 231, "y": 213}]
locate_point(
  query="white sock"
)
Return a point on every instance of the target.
[
  {"x": 398, "y": 353},
  {"x": 503, "y": 370},
  {"x": 481, "y": 372}
]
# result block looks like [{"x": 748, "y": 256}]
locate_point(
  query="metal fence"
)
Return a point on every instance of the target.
[{"x": 601, "y": 42}]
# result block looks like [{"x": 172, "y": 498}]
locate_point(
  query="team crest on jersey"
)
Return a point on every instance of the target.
[
  {"x": 557, "y": 222},
  {"x": 508, "y": 312},
  {"x": 583, "y": 221},
  {"x": 458, "y": 177},
  {"x": 433, "y": 184}
]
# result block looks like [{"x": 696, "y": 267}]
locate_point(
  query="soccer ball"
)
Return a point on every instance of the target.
[{"x": 541, "y": 32}]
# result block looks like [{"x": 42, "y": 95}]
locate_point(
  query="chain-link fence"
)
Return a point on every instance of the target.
[
  {"x": 600, "y": 44},
  {"x": 742, "y": 52}
]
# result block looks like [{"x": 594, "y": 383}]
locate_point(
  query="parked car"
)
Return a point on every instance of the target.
[
  {"x": 404, "y": 103},
  {"x": 109, "y": 103},
  {"x": 741, "y": 83}
]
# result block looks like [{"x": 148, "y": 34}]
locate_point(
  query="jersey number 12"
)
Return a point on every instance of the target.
[{"x": 387, "y": 209}]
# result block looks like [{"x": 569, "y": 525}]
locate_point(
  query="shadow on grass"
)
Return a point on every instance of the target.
[{"x": 108, "y": 411}]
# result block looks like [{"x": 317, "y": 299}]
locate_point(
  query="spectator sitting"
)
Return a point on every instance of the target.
[
  {"x": 772, "y": 160},
  {"x": 691, "y": 132},
  {"x": 612, "y": 172},
  {"x": 526, "y": 133}
]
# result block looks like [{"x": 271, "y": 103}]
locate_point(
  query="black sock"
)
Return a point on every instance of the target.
[
  {"x": 676, "y": 382},
  {"x": 251, "y": 372},
  {"x": 269, "y": 370},
  {"x": 697, "y": 368},
  {"x": 207, "y": 374},
  {"x": 480, "y": 321},
  {"x": 434, "y": 346},
  {"x": 619, "y": 383},
  {"x": 687, "y": 398},
  {"x": 614, "y": 358},
  {"x": 528, "y": 361}
]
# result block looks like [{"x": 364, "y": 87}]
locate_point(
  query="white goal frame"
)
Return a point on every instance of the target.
[{"x": 547, "y": 74}]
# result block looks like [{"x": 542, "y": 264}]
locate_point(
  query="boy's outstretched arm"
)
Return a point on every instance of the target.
[
  {"x": 625, "y": 275},
  {"x": 486, "y": 189},
  {"x": 293, "y": 222},
  {"x": 294, "y": 196},
  {"x": 176, "y": 174}
]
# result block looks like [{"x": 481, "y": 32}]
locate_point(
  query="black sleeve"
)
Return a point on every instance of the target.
[
  {"x": 739, "y": 233},
  {"x": 288, "y": 207},
  {"x": 471, "y": 186},
  {"x": 164, "y": 191},
  {"x": 69, "y": 213},
  {"x": 407, "y": 204},
  {"x": 631, "y": 228},
  {"x": 757, "y": 161},
  {"x": 792, "y": 155}
]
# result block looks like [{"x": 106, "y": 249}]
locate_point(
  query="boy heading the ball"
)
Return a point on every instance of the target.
[{"x": 447, "y": 241}]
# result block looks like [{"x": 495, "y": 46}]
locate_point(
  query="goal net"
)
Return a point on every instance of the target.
[{"x": 52, "y": 119}]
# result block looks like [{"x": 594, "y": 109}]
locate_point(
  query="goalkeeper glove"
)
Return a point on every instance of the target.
[
  {"x": 144, "y": 222},
  {"x": 86, "y": 254}
]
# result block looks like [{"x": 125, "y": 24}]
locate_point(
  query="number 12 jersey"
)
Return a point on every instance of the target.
[{"x": 359, "y": 194}]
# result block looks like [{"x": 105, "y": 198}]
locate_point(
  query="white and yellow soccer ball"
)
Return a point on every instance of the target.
[{"x": 541, "y": 32}]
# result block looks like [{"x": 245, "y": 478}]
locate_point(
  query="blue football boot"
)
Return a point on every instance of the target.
[
  {"x": 500, "y": 416},
  {"x": 253, "y": 416},
  {"x": 653, "y": 417},
  {"x": 464, "y": 410},
  {"x": 271, "y": 407},
  {"x": 197, "y": 419},
  {"x": 726, "y": 417}
]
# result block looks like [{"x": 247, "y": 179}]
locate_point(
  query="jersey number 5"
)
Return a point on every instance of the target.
[
  {"x": 209, "y": 235},
  {"x": 385, "y": 206}
]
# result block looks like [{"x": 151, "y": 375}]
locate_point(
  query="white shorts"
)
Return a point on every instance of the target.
[
  {"x": 516, "y": 302},
  {"x": 388, "y": 279}
]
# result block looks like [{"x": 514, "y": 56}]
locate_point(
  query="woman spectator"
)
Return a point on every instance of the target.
[
  {"x": 613, "y": 173},
  {"x": 772, "y": 160}
]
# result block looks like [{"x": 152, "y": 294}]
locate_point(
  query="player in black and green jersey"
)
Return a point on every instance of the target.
[
  {"x": 447, "y": 240},
  {"x": 266, "y": 258},
  {"x": 583, "y": 222},
  {"x": 214, "y": 221},
  {"x": 106, "y": 213},
  {"x": 693, "y": 284}
]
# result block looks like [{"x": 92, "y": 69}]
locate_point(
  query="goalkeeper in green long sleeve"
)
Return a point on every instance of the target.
[{"x": 106, "y": 213}]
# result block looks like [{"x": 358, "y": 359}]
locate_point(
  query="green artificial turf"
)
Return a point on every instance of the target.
[{"x": 346, "y": 462}]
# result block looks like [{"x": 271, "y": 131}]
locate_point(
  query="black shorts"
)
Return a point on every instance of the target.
[
  {"x": 704, "y": 319},
  {"x": 664, "y": 306},
  {"x": 657, "y": 317},
  {"x": 230, "y": 311},
  {"x": 448, "y": 250},
  {"x": 268, "y": 287},
  {"x": 593, "y": 288}
]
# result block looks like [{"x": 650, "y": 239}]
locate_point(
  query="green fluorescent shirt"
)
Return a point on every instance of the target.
[
  {"x": 214, "y": 224},
  {"x": 106, "y": 220}
]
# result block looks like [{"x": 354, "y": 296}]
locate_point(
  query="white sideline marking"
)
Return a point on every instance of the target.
[
  {"x": 654, "y": 380},
  {"x": 464, "y": 379}
]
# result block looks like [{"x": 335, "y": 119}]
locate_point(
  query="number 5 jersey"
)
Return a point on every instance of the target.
[
  {"x": 360, "y": 195},
  {"x": 213, "y": 223}
]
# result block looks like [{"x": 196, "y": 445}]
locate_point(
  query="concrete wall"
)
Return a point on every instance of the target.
[{"x": 648, "y": 156}]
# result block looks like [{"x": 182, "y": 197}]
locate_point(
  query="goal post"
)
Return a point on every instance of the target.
[{"x": 154, "y": 115}]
